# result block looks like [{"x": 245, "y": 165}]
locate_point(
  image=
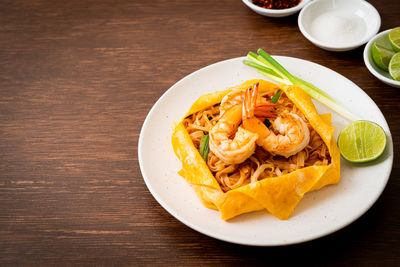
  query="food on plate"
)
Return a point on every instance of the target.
[
  {"x": 254, "y": 146},
  {"x": 269, "y": 67},
  {"x": 362, "y": 141}
]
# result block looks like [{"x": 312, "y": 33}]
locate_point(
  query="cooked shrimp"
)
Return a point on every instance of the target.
[
  {"x": 237, "y": 98},
  {"x": 232, "y": 143},
  {"x": 293, "y": 136},
  {"x": 238, "y": 149},
  {"x": 232, "y": 99}
]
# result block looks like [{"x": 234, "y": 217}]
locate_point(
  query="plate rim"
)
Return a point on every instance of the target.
[{"x": 261, "y": 244}]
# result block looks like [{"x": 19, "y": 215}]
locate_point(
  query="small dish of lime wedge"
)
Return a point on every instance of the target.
[
  {"x": 385, "y": 52},
  {"x": 362, "y": 141},
  {"x": 382, "y": 56}
]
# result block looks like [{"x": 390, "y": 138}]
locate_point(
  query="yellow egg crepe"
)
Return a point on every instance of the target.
[{"x": 278, "y": 195}]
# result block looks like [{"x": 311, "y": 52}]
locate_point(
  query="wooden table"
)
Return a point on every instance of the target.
[{"x": 77, "y": 79}]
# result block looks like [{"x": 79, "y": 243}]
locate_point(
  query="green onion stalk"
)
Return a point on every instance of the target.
[{"x": 269, "y": 67}]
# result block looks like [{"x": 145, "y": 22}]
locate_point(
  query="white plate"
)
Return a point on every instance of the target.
[{"x": 319, "y": 213}]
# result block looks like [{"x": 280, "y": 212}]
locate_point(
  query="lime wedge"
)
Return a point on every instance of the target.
[
  {"x": 381, "y": 55},
  {"x": 394, "y": 39},
  {"x": 362, "y": 141},
  {"x": 394, "y": 67}
]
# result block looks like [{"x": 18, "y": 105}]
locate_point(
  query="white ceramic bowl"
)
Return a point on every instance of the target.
[
  {"x": 275, "y": 13},
  {"x": 339, "y": 25},
  {"x": 382, "y": 75}
]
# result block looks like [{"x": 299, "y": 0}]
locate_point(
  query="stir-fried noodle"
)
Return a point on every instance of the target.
[{"x": 261, "y": 164}]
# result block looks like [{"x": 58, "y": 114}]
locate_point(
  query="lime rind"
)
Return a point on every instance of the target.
[
  {"x": 384, "y": 41},
  {"x": 381, "y": 55},
  {"x": 362, "y": 141},
  {"x": 394, "y": 67},
  {"x": 394, "y": 39}
]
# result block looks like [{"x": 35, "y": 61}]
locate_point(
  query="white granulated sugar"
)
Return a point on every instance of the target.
[{"x": 335, "y": 28}]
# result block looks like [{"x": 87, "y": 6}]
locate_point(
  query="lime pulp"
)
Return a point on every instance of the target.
[
  {"x": 362, "y": 141},
  {"x": 394, "y": 67},
  {"x": 394, "y": 39},
  {"x": 381, "y": 55}
]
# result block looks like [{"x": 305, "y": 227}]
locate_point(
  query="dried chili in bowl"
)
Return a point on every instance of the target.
[{"x": 276, "y": 4}]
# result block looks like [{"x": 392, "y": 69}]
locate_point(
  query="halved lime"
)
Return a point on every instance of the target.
[
  {"x": 394, "y": 39},
  {"x": 394, "y": 67},
  {"x": 362, "y": 141},
  {"x": 381, "y": 55}
]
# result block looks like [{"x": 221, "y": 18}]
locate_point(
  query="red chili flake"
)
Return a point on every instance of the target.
[{"x": 276, "y": 4}]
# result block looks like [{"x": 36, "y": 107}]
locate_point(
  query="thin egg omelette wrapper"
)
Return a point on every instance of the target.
[
  {"x": 211, "y": 99},
  {"x": 278, "y": 195}
]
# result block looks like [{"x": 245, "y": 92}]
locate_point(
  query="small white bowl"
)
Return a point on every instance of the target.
[
  {"x": 339, "y": 25},
  {"x": 382, "y": 75},
  {"x": 275, "y": 13}
]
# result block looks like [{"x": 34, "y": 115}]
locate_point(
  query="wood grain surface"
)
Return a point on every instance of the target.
[{"x": 77, "y": 79}]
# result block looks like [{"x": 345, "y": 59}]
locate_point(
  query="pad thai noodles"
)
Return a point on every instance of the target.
[{"x": 251, "y": 138}]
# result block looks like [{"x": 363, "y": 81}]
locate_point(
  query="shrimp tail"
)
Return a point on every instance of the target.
[
  {"x": 251, "y": 107},
  {"x": 249, "y": 103},
  {"x": 264, "y": 114}
]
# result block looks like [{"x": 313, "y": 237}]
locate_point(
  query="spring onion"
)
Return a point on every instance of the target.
[
  {"x": 204, "y": 148},
  {"x": 276, "y": 96},
  {"x": 269, "y": 67}
]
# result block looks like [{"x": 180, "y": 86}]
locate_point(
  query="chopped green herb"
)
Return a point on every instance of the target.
[
  {"x": 276, "y": 96},
  {"x": 204, "y": 148}
]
